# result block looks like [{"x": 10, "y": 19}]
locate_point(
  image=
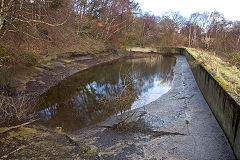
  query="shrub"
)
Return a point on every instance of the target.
[
  {"x": 5, "y": 58},
  {"x": 235, "y": 59},
  {"x": 5, "y": 77},
  {"x": 15, "y": 109},
  {"x": 122, "y": 100}
]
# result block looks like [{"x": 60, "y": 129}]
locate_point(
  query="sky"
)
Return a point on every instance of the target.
[{"x": 229, "y": 8}]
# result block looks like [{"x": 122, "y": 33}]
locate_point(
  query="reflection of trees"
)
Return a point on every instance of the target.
[{"x": 74, "y": 103}]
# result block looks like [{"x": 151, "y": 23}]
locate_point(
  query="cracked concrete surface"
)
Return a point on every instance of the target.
[{"x": 181, "y": 110}]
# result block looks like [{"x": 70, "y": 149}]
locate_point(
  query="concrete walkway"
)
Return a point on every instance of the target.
[{"x": 179, "y": 125}]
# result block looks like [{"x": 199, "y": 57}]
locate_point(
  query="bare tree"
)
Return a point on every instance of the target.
[{"x": 19, "y": 15}]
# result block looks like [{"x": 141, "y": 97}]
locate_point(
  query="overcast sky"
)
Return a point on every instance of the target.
[{"x": 229, "y": 8}]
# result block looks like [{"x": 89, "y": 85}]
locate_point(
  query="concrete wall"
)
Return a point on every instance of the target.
[
  {"x": 141, "y": 49},
  {"x": 223, "y": 106},
  {"x": 162, "y": 50}
]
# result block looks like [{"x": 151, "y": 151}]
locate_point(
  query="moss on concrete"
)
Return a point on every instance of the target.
[{"x": 226, "y": 74}]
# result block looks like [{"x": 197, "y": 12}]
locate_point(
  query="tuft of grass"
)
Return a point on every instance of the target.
[
  {"x": 2, "y": 49},
  {"x": 227, "y": 74},
  {"x": 235, "y": 58},
  {"x": 89, "y": 152},
  {"x": 6, "y": 76},
  {"x": 83, "y": 148},
  {"x": 5, "y": 57},
  {"x": 31, "y": 58}
]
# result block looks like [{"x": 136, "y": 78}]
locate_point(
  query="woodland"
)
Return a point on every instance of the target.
[{"x": 37, "y": 31}]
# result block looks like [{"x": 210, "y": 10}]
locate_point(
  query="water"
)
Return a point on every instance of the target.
[{"x": 91, "y": 96}]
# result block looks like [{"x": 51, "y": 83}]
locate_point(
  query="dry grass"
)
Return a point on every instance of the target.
[
  {"x": 15, "y": 109},
  {"x": 5, "y": 77},
  {"x": 86, "y": 46},
  {"x": 227, "y": 74},
  {"x": 235, "y": 59}
]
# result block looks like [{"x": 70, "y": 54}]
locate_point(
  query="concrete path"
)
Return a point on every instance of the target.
[{"x": 179, "y": 125}]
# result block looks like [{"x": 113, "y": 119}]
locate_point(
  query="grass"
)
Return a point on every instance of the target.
[
  {"x": 227, "y": 74},
  {"x": 31, "y": 58}
]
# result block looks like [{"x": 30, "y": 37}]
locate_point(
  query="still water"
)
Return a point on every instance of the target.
[{"x": 93, "y": 95}]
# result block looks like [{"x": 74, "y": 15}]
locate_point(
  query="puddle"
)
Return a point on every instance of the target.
[{"x": 76, "y": 102}]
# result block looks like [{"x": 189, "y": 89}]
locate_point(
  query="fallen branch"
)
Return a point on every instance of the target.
[
  {"x": 18, "y": 126},
  {"x": 163, "y": 133},
  {"x": 6, "y": 155}
]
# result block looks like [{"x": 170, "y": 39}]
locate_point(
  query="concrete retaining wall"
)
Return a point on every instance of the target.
[
  {"x": 162, "y": 50},
  {"x": 223, "y": 106},
  {"x": 141, "y": 49}
]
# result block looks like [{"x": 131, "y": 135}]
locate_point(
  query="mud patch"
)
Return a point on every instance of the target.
[{"x": 140, "y": 126}]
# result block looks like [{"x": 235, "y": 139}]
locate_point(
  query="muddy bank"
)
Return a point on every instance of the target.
[
  {"x": 35, "y": 81},
  {"x": 38, "y": 79}
]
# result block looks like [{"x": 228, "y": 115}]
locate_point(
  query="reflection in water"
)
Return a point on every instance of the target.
[{"x": 75, "y": 102}]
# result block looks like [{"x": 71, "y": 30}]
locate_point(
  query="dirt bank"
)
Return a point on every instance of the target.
[{"x": 37, "y": 80}]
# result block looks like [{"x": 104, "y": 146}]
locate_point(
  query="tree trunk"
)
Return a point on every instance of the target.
[
  {"x": 238, "y": 40},
  {"x": 2, "y": 17},
  {"x": 189, "y": 37}
]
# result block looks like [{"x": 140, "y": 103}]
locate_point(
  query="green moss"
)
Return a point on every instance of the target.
[
  {"x": 83, "y": 148},
  {"x": 226, "y": 74},
  {"x": 207, "y": 68},
  {"x": 23, "y": 131},
  {"x": 31, "y": 58},
  {"x": 3, "y": 50},
  {"x": 89, "y": 153}
]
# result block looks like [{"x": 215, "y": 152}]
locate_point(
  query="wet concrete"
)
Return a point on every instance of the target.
[{"x": 179, "y": 125}]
